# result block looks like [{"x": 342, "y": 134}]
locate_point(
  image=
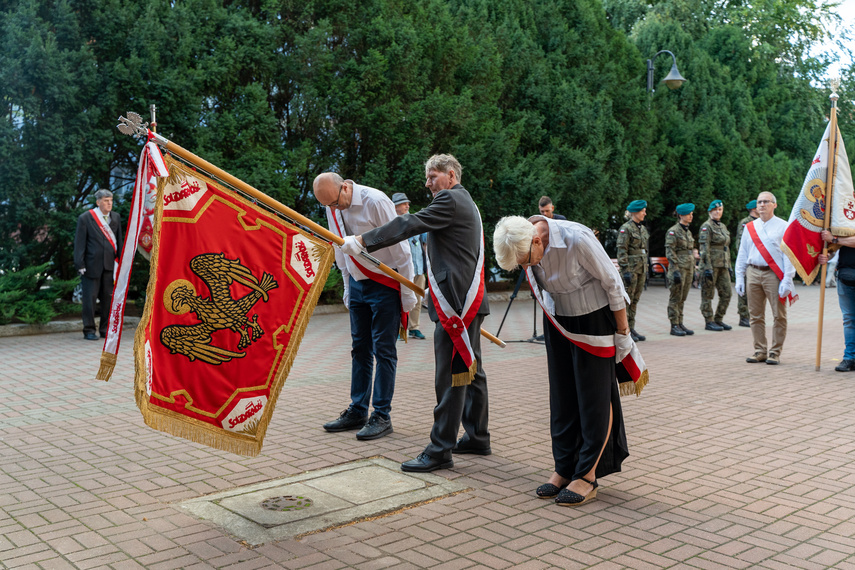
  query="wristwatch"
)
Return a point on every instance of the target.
[
  {"x": 623, "y": 331},
  {"x": 834, "y": 239}
]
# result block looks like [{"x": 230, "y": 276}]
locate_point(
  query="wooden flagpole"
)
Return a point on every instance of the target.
[
  {"x": 826, "y": 221},
  {"x": 199, "y": 162}
]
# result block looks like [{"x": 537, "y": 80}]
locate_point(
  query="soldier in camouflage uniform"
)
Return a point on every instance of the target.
[
  {"x": 679, "y": 244},
  {"x": 632, "y": 258},
  {"x": 715, "y": 268},
  {"x": 742, "y": 300}
]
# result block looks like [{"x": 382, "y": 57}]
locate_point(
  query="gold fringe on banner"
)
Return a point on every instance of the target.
[
  {"x": 108, "y": 363},
  {"x": 465, "y": 378},
  {"x": 635, "y": 388}
]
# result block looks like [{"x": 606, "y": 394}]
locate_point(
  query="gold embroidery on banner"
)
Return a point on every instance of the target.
[{"x": 218, "y": 312}]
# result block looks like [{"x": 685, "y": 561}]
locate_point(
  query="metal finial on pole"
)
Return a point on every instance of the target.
[{"x": 153, "y": 118}]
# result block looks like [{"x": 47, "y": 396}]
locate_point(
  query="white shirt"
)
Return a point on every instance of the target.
[
  {"x": 576, "y": 271},
  {"x": 772, "y": 234},
  {"x": 370, "y": 208}
]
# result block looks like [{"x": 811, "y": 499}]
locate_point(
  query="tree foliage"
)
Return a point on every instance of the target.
[{"x": 533, "y": 98}]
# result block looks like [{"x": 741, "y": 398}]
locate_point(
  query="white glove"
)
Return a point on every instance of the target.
[
  {"x": 408, "y": 299},
  {"x": 82, "y": 270},
  {"x": 351, "y": 246},
  {"x": 785, "y": 288},
  {"x": 740, "y": 287},
  {"x": 623, "y": 346},
  {"x": 346, "y": 297}
]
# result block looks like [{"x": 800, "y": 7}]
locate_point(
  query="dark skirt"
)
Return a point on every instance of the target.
[{"x": 581, "y": 387}]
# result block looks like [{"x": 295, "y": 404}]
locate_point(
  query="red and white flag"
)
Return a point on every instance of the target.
[{"x": 802, "y": 241}]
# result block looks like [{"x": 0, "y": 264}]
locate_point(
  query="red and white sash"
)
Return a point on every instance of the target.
[
  {"x": 111, "y": 237},
  {"x": 773, "y": 263},
  {"x": 457, "y": 325},
  {"x": 372, "y": 273},
  {"x": 598, "y": 345},
  {"x": 151, "y": 164}
]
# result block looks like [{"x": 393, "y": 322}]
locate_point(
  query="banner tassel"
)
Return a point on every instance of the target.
[{"x": 108, "y": 363}]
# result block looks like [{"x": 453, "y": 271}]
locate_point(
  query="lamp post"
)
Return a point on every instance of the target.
[{"x": 673, "y": 80}]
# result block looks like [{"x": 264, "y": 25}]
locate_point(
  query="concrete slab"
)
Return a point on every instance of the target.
[{"x": 326, "y": 498}]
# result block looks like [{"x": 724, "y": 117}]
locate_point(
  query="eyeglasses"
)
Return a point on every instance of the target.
[
  {"x": 764, "y": 202},
  {"x": 335, "y": 204}
]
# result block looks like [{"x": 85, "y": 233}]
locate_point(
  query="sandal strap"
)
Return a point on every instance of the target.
[{"x": 591, "y": 483}]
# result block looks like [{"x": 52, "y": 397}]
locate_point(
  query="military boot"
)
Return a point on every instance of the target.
[
  {"x": 677, "y": 331},
  {"x": 743, "y": 322},
  {"x": 713, "y": 326},
  {"x": 685, "y": 330},
  {"x": 635, "y": 336},
  {"x": 723, "y": 325}
]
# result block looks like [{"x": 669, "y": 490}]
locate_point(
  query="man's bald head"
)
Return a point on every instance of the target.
[{"x": 331, "y": 190}]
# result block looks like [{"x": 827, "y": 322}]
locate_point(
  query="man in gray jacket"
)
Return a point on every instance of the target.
[{"x": 455, "y": 250}]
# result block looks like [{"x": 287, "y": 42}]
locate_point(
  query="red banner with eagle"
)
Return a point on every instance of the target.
[{"x": 231, "y": 291}]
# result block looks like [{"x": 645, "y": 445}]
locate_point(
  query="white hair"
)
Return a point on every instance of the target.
[
  {"x": 444, "y": 163},
  {"x": 512, "y": 240},
  {"x": 774, "y": 200}
]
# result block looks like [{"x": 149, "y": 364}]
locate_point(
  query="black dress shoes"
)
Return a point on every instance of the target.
[
  {"x": 90, "y": 336},
  {"x": 713, "y": 326},
  {"x": 744, "y": 322},
  {"x": 375, "y": 428},
  {"x": 723, "y": 325},
  {"x": 424, "y": 463},
  {"x": 636, "y": 337},
  {"x": 677, "y": 331},
  {"x": 348, "y": 420},
  {"x": 467, "y": 447},
  {"x": 845, "y": 366}
]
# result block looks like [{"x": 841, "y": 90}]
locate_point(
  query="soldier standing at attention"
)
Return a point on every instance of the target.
[
  {"x": 742, "y": 300},
  {"x": 632, "y": 258},
  {"x": 715, "y": 268},
  {"x": 679, "y": 244}
]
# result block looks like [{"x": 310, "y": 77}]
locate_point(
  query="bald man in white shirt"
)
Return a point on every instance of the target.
[
  {"x": 764, "y": 273},
  {"x": 375, "y": 301}
]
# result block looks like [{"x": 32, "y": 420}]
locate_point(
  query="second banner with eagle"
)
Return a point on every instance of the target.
[{"x": 232, "y": 289}]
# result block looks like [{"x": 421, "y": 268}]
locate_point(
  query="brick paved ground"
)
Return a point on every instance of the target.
[{"x": 732, "y": 465}]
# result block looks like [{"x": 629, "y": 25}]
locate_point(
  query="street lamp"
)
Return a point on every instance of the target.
[{"x": 673, "y": 80}]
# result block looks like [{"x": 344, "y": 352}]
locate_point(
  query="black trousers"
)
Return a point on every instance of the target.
[
  {"x": 581, "y": 388},
  {"x": 466, "y": 404},
  {"x": 101, "y": 289}
]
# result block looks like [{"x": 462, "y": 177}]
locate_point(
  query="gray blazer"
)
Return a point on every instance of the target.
[
  {"x": 454, "y": 239},
  {"x": 92, "y": 250}
]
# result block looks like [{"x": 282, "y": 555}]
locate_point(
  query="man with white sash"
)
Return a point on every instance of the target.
[
  {"x": 378, "y": 305},
  {"x": 764, "y": 273},
  {"x": 97, "y": 243},
  {"x": 589, "y": 349},
  {"x": 458, "y": 305}
]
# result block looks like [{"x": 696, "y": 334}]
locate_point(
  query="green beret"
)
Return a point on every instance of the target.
[
  {"x": 636, "y": 206},
  {"x": 751, "y": 205},
  {"x": 713, "y": 205},
  {"x": 685, "y": 209}
]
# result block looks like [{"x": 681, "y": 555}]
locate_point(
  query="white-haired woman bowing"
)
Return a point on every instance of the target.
[{"x": 583, "y": 298}]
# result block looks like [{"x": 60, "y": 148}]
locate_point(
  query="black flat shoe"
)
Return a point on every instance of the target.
[
  {"x": 424, "y": 463},
  {"x": 548, "y": 491},
  {"x": 376, "y": 428},
  {"x": 346, "y": 421},
  {"x": 464, "y": 447},
  {"x": 567, "y": 498},
  {"x": 90, "y": 336}
]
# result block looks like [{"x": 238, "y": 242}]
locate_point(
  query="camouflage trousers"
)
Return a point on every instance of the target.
[
  {"x": 721, "y": 283},
  {"x": 634, "y": 291},
  {"x": 679, "y": 292},
  {"x": 742, "y": 305}
]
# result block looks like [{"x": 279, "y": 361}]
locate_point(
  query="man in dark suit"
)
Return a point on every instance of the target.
[
  {"x": 454, "y": 247},
  {"x": 96, "y": 245}
]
